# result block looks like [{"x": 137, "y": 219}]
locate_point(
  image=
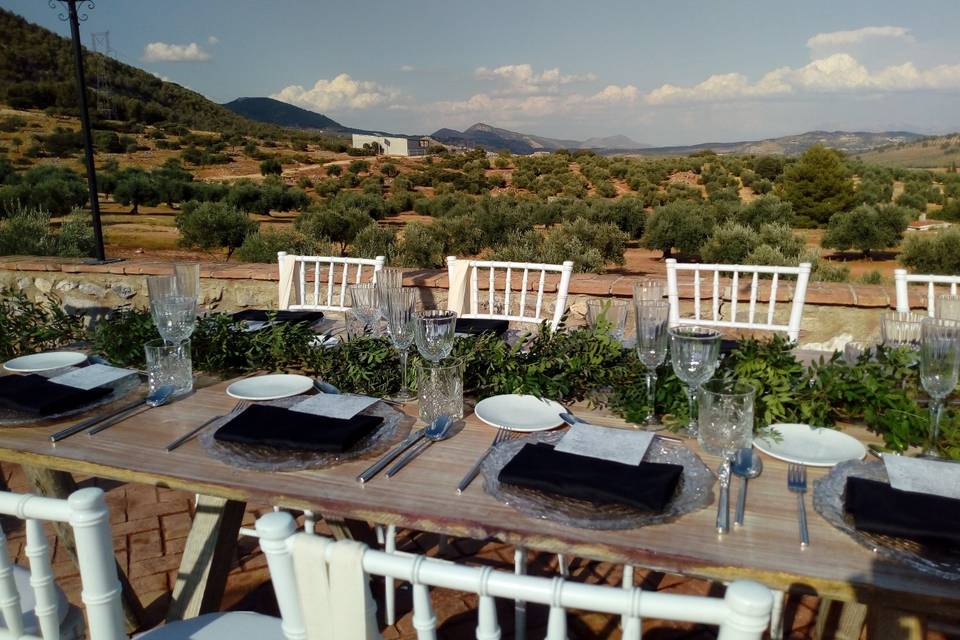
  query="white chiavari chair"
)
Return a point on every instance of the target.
[
  {"x": 734, "y": 316},
  {"x": 487, "y": 300},
  {"x": 902, "y": 281},
  {"x": 319, "y": 283},
  {"x": 742, "y": 614}
]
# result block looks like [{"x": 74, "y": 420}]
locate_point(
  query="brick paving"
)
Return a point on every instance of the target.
[{"x": 150, "y": 526}]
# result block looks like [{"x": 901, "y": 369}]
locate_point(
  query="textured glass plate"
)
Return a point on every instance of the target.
[
  {"x": 396, "y": 425},
  {"x": 120, "y": 388},
  {"x": 828, "y": 496},
  {"x": 693, "y": 493}
]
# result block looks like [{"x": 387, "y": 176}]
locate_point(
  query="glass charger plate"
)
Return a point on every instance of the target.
[
  {"x": 396, "y": 425},
  {"x": 693, "y": 493},
  {"x": 828, "y": 496},
  {"x": 119, "y": 389}
]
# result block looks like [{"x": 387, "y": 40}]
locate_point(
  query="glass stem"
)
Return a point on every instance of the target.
[
  {"x": 404, "y": 353},
  {"x": 936, "y": 411},
  {"x": 651, "y": 395},
  {"x": 691, "y": 405}
]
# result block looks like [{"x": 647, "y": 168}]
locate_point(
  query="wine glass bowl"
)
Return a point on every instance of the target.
[
  {"x": 694, "y": 354},
  {"x": 400, "y": 311},
  {"x": 651, "y": 348},
  {"x": 609, "y": 313},
  {"x": 365, "y": 303},
  {"x": 434, "y": 334},
  {"x": 939, "y": 370},
  {"x": 901, "y": 329},
  {"x": 175, "y": 317}
]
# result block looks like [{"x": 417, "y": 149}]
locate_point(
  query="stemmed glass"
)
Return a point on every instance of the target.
[
  {"x": 948, "y": 307},
  {"x": 726, "y": 425},
  {"x": 400, "y": 308},
  {"x": 939, "y": 370},
  {"x": 647, "y": 289},
  {"x": 611, "y": 312},
  {"x": 901, "y": 329},
  {"x": 652, "y": 318},
  {"x": 390, "y": 278},
  {"x": 365, "y": 303},
  {"x": 694, "y": 353},
  {"x": 435, "y": 333},
  {"x": 174, "y": 314}
]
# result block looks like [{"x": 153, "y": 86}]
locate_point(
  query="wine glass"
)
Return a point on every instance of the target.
[
  {"x": 694, "y": 353},
  {"x": 187, "y": 280},
  {"x": 726, "y": 425},
  {"x": 939, "y": 370},
  {"x": 948, "y": 307},
  {"x": 365, "y": 303},
  {"x": 652, "y": 318},
  {"x": 390, "y": 277},
  {"x": 647, "y": 289},
  {"x": 400, "y": 308},
  {"x": 610, "y": 312},
  {"x": 435, "y": 333},
  {"x": 901, "y": 329},
  {"x": 175, "y": 317}
]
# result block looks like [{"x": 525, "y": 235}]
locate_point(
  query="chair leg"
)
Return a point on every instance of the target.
[
  {"x": 776, "y": 616},
  {"x": 628, "y": 576},
  {"x": 520, "y": 607},
  {"x": 389, "y": 586},
  {"x": 309, "y": 522},
  {"x": 562, "y": 565}
]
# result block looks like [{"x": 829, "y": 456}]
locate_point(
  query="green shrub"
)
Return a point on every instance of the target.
[
  {"x": 135, "y": 187},
  {"x": 271, "y": 167},
  {"x": 818, "y": 185},
  {"x": 213, "y": 225},
  {"x": 682, "y": 225},
  {"x": 765, "y": 210},
  {"x": 866, "y": 228},
  {"x": 30, "y": 327},
  {"x": 932, "y": 252},
  {"x": 357, "y": 166},
  {"x": 262, "y": 246},
  {"x": 47, "y": 188},
  {"x": 304, "y": 182},
  {"x": 825, "y": 270},
  {"x": 912, "y": 201},
  {"x": 374, "y": 240},
  {"x": 333, "y": 170},
  {"x": 730, "y": 244},
  {"x": 389, "y": 169},
  {"x": 770, "y": 256},
  {"x": 420, "y": 248},
  {"x": 76, "y": 239},
  {"x": 871, "y": 277},
  {"x": 782, "y": 238},
  {"x": 336, "y": 225},
  {"x": 26, "y": 231}
]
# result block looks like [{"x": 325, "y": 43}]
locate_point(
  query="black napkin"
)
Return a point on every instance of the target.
[
  {"x": 728, "y": 345},
  {"x": 648, "y": 486},
  {"x": 284, "y": 429},
  {"x": 37, "y": 396},
  {"x": 259, "y": 315},
  {"x": 877, "y": 507},
  {"x": 477, "y": 326}
]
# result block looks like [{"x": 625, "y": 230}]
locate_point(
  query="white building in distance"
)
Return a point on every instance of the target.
[{"x": 392, "y": 145}]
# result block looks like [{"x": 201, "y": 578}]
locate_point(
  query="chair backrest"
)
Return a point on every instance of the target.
[
  {"x": 326, "y": 291},
  {"x": 902, "y": 281},
  {"x": 86, "y": 511},
  {"x": 499, "y": 304},
  {"x": 743, "y": 613},
  {"x": 730, "y": 319}
]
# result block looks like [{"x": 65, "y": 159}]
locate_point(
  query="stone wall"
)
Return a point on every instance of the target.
[{"x": 831, "y": 309}]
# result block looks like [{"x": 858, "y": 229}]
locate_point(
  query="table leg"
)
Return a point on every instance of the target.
[
  {"x": 840, "y": 620},
  {"x": 210, "y": 550},
  {"x": 60, "y": 484}
]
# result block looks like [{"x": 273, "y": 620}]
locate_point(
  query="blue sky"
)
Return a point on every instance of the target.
[{"x": 661, "y": 72}]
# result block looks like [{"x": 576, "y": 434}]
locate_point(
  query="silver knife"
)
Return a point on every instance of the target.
[{"x": 378, "y": 466}]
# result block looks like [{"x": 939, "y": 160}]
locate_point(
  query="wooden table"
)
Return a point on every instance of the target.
[{"x": 424, "y": 497}]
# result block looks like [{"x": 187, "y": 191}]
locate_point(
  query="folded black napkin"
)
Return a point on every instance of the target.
[
  {"x": 477, "y": 326},
  {"x": 284, "y": 429},
  {"x": 259, "y": 315},
  {"x": 728, "y": 345},
  {"x": 37, "y": 396},
  {"x": 876, "y": 507},
  {"x": 648, "y": 486}
]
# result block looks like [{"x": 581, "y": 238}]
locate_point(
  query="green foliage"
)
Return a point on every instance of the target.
[
  {"x": 818, "y": 185},
  {"x": 120, "y": 337},
  {"x": 730, "y": 244},
  {"x": 357, "y": 166},
  {"x": 333, "y": 224},
  {"x": 765, "y": 210},
  {"x": 866, "y": 228},
  {"x": 135, "y": 187},
  {"x": 679, "y": 225},
  {"x": 50, "y": 188},
  {"x": 27, "y": 232},
  {"x": 420, "y": 247},
  {"x": 374, "y": 240},
  {"x": 389, "y": 169},
  {"x": 29, "y": 327},
  {"x": 262, "y": 246},
  {"x": 76, "y": 239},
  {"x": 334, "y": 170},
  {"x": 213, "y": 225},
  {"x": 932, "y": 252},
  {"x": 271, "y": 167}
]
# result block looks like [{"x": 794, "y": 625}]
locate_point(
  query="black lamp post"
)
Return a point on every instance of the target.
[{"x": 75, "y": 19}]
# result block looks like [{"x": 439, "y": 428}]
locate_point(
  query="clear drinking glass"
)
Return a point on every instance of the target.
[
  {"x": 161, "y": 286},
  {"x": 652, "y": 319},
  {"x": 175, "y": 317},
  {"x": 948, "y": 307},
  {"x": 611, "y": 312},
  {"x": 187, "y": 280},
  {"x": 647, "y": 289},
  {"x": 440, "y": 390},
  {"x": 901, "y": 329},
  {"x": 365, "y": 302},
  {"x": 435, "y": 333},
  {"x": 694, "y": 353},
  {"x": 939, "y": 370},
  {"x": 400, "y": 310},
  {"x": 169, "y": 364},
  {"x": 390, "y": 277}
]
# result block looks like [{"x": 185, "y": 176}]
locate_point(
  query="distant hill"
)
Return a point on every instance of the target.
[
  {"x": 282, "y": 113},
  {"x": 924, "y": 153},
  {"x": 851, "y": 142},
  {"x": 496, "y": 139}
]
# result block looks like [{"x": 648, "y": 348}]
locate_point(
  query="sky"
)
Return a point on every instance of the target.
[{"x": 662, "y": 72}]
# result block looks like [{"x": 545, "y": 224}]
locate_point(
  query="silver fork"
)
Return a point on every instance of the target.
[
  {"x": 797, "y": 483},
  {"x": 502, "y": 436},
  {"x": 237, "y": 408}
]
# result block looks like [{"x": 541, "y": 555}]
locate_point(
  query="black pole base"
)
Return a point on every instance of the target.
[{"x": 104, "y": 261}]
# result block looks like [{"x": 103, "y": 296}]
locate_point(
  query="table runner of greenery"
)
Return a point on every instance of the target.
[{"x": 881, "y": 390}]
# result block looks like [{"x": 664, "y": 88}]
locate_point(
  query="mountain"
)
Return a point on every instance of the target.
[
  {"x": 851, "y": 142},
  {"x": 922, "y": 153},
  {"x": 282, "y": 113},
  {"x": 496, "y": 139},
  {"x": 612, "y": 142}
]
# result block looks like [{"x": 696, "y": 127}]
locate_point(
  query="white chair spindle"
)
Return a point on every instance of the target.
[
  {"x": 424, "y": 619},
  {"x": 506, "y": 293},
  {"x": 316, "y": 283},
  {"x": 344, "y": 283},
  {"x": 389, "y": 594},
  {"x": 474, "y": 290},
  {"x": 331, "y": 274},
  {"x": 953, "y": 288},
  {"x": 523, "y": 294},
  {"x": 41, "y": 579},
  {"x": 716, "y": 296},
  {"x": 772, "y": 302},
  {"x": 491, "y": 309},
  {"x": 902, "y": 280},
  {"x": 487, "y": 626},
  {"x": 754, "y": 285},
  {"x": 734, "y": 295},
  {"x": 930, "y": 301},
  {"x": 520, "y": 606},
  {"x": 557, "y": 617},
  {"x": 696, "y": 295},
  {"x": 543, "y": 278},
  {"x": 9, "y": 595},
  {"x": 303, "y": 285}
]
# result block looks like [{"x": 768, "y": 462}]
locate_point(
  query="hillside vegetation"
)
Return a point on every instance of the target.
[{"x": 927, "y": 153}]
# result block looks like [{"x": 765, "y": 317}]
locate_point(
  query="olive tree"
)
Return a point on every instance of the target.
[{"x": 866, "y": 228}]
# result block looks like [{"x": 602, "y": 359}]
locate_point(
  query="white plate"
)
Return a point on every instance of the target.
[
  {"x": 812, "y": 446},
  {"x": 270, "y": 387},
  {"x": 44, "y": 361},
  {"x": 520, "y": 413}
]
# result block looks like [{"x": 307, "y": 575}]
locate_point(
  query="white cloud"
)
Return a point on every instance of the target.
[
  {"x": 615, "y": 94},
  {"x": 521, "y": 78},
  {"x": 407, "y": 68},
  {"x": 839, "y": 72},
  {"x": 165, "y": 52},
  {"x": 343, "y": 92},
  {"x": 856, "y": 36},
  {"x": 213, "y": 40}
]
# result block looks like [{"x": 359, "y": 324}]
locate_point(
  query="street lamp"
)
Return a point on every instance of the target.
[{"x": 75, "y": 19}]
